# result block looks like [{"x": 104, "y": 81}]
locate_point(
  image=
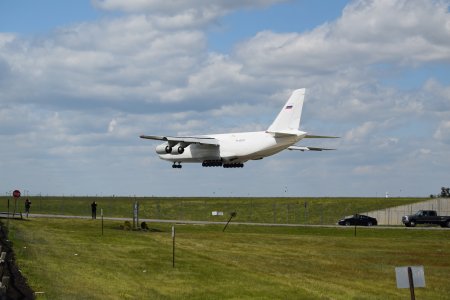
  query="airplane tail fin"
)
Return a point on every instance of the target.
[{"x": 288, "y": 120}]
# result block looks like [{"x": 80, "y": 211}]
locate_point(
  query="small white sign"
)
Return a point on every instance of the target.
[
  {"x": 418, "y": 274},
  {"x": 217, "y": 213}
]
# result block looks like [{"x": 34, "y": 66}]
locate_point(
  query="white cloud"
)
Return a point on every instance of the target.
[
  {"x": 437, "y": 98},
  {"x": 86, "y": 91},
  {"x": 112, "y": 125},
  {"x": 368, "y": 32},
  {"x": 443, "y": 132},
  {"x": 181, "y": 14},
  {"x": 116, "y": 59},
  {"x": 361, "y": 132},
  {"x": 161, "y": 6}
]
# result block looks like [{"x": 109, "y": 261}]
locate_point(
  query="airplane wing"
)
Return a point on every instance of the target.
[
  {"x": 183, "y": 139},
  {"x": 308, "y": 148}
]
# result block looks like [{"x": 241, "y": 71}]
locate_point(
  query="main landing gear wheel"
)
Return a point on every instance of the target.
[
  {"x": 176, "y": 166},
  {"x": 234, "y": 165},
  {"x": 212, "y": 163}
]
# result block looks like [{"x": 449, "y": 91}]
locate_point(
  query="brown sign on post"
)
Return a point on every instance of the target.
[{"x": 16, "y": 194}]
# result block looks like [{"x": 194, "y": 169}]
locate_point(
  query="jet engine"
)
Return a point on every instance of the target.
[
  {"x": 163, "y": 149},
  {"x": 166, "y": 149}
]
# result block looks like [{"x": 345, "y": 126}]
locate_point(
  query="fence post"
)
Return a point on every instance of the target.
[
  {"x": 287, "y": 219},
  {"x": 306, "y": 212},
  {"x": 251, "y": 210},
  {"x": 274, "y": 212},
  {"x": 158, "y": 209},
  {"x": 295, "y": 214},
  {"x": 321, "y": 216}
]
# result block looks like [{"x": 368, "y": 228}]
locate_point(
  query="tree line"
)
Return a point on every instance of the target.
[{"x": 445, "y": 193}]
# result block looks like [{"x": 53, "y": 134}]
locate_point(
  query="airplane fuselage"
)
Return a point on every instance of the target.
[{"x": 234, "y": 147}]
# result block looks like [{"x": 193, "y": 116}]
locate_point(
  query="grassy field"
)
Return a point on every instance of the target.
[
  {"x": 266, "y": 210},
  {"x": 70, "y": 259}
]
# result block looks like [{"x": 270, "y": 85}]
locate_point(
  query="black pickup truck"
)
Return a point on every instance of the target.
[{"x": 426, "y": 217}]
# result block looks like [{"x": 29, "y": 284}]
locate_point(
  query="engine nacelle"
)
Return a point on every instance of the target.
[{"x": 166, "y": 149}]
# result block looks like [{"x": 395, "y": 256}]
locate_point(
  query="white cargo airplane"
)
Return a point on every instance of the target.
[{"x": 232, "y": 150}]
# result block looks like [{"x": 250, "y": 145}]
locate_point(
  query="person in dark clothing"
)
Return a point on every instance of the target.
[
  {"x": 27, "y": 206},
  {"x": 94, "y": 210}
]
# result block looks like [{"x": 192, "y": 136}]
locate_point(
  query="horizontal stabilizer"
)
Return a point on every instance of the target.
[
  {"x": 308, "y": 148},
  {"x": 310, "y": 136},
  {"x": 286, "y": 133}
]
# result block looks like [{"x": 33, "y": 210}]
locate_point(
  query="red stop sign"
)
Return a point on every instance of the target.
[{"x": 16, "y": 194}]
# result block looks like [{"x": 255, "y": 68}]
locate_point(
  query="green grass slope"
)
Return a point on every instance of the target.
[{"x": 70, "y": 259}]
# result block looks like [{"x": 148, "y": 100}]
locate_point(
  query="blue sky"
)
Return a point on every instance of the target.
[
  {"x": 283, "y": 17},
  {"x": 26, "y": 17},
  {"x": 81, "y": 80}
]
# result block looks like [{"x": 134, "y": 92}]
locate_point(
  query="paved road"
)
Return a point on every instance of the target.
[{"x": 232, "y": 223}]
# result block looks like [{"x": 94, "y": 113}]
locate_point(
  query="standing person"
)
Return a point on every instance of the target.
[
  {"x": 94, "y": 210},
  {"x": 27, "y": 206}
]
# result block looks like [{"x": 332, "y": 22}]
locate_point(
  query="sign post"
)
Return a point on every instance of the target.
[
  {"x": 411, "y": 284},
  {"x": 135, "y": 214},
  {"x": 232, "y": 215},
  {"x": 16, "y": 195},
  {"x": 410, "y": 277}
]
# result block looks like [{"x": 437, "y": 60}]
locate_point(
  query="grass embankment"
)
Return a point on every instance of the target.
[
  {"x": 69, "y": 259},
  {"x": 265, "y": 210}
]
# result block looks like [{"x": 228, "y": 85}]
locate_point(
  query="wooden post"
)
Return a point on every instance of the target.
[
  {"x": 7, "y": 224},
  {"x": 134, "y": 214},
  {"x": 287, "y": 215},
  {"x": 306, "y": 212},
  {"x": 137, "y": 214},
  {"x": 101, "y": 212},
  {"x": 411, "y": 284}
]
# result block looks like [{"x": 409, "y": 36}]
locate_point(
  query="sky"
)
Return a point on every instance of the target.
[{"x": 81, "y": 80}]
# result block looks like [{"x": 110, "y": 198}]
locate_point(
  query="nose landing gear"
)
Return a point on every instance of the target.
[{"x": 177, "y": 165}]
